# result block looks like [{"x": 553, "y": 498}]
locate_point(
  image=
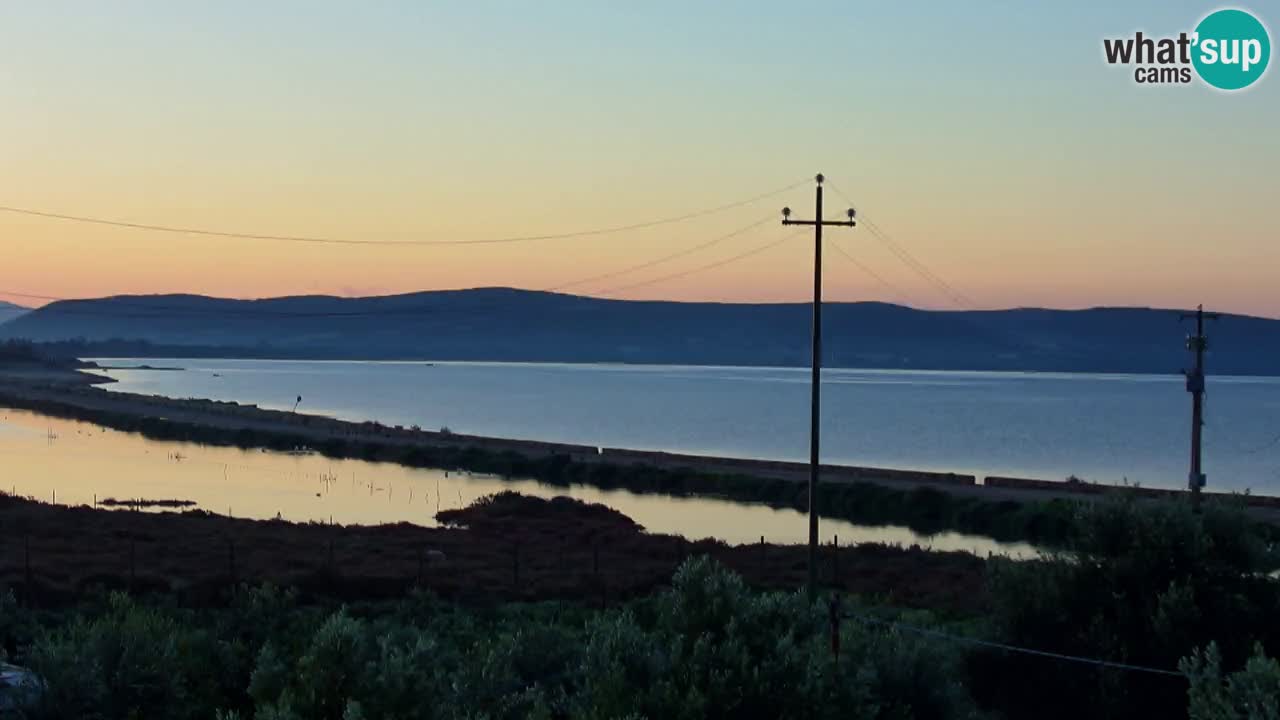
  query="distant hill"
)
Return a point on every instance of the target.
[
  {"x": 9, "y": 311},
  {"x": 519, "y": 325}
]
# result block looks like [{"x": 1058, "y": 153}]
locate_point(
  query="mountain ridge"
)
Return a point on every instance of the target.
[
  {"x": 10, "y": 311},
  {"x": 509, "y": 324}
]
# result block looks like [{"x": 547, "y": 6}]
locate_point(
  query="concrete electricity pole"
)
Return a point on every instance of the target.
[
  {"x": 1197, "y": 344},
  {"x": 816, "y": 380}
]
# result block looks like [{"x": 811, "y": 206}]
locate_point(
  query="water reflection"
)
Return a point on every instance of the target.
[{"x": 76, "y": 462}]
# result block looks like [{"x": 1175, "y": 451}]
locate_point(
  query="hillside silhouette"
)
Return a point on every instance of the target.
[
  {"x": 504, "y": 324},
  {"x": 9, "y": 311}
]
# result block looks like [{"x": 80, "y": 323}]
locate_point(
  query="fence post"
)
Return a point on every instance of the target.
[
  {"x": 761, "y": 560},
  {"x": 231, "y": 561},
  {"x": 835, "y": 560},
  {"x": 834, "y": 612},
  {"x": 26, "y": 560},
  {"x": 418, "y": 582},
  {"x": 515, "y": 566},
  {"x": 595, "y": 569},
  {"x": 132, "y": 562}
]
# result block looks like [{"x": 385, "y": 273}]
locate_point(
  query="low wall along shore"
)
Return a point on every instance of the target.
[
  {"x": 850, "y": 472},
  {"x": 1086, "y": 488}
]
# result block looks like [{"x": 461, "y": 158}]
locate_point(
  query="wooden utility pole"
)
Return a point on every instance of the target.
[
  {"x": 1197, "y": 344},
  {"x": 816, "y": 380}
]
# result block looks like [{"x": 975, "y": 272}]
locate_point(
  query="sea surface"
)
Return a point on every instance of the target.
[{"x": 1104, "y": 428}]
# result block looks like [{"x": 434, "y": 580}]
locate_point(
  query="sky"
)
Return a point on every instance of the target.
[{"x": 990, "y": 140}]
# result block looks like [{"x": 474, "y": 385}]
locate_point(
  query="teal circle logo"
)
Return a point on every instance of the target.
[{"x": 1232, "y": 49}]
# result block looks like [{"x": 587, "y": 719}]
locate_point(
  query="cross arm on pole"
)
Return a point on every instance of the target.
[
  {"x": 825, "y": 223},
  {"x": 786, "y": 220}
]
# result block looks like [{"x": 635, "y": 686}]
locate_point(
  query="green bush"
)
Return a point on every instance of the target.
[
  {"x": 1142, "y": 582},
  {"x": 1252, "y": 693},
  {"x": 16, "y": 624},
  {"x": 707, "y": 647},
  {"x": 126, "y": 663},
  {"x": 1145, "y": 583}
]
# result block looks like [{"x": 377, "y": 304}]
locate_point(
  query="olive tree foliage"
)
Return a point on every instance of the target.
[
  {"x": 1251, "y": 693},
  {"x": 1143, "y": 582},
  {"x": 706, "y": 647}
]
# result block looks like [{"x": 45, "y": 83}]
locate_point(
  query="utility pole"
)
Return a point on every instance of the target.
[
  {"x": 816, "y": 380},
  {"x": 1197, "y": 344}
]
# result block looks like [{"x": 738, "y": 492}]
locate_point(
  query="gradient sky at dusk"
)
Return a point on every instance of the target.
[{"x": 988, "y": 138}]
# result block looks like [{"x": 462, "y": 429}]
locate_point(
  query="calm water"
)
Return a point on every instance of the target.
[
  {"x": 70, "y": 462},
  {"x": 1105, "y": 428}
]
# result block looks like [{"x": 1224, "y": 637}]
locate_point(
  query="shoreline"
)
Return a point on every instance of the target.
[
  {"x": 68, "y": 386},
  {"x": 996, "y": 481},
  {"x": 805, "y": 369},
  {"x": 1006, "y": 509},
  {"x": 80, "y": 390}
]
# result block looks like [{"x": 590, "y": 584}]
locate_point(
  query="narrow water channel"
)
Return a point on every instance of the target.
[{"x": 75, "y": 463}]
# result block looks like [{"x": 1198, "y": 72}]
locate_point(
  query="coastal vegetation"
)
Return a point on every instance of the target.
[
  {"x": 1178, "y": 601},
  {"x": 22, "y": 355},
  {"x": 707, "y": 647},
  {"x": 507, "y": 547},
  {"x": 145, "y": 503}
]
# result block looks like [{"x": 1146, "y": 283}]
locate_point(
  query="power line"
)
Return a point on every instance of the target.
[
  {"x": 30, "y": 296},
  {"x": 347, "y": 241},
  {"x": 1268, "y": 446},
  {"x": 145, "y": 310},
  {"x": 702, "y": 268},
  {"x": 955, "y": 296},
  {"x": 1253, "y": 450},
  {"x": 929, "y": 632},
  {"x": 664, "y": 258},
  {"x": 149, "y": 310},
  {"x": 895, "y": 290},
  {"x": 153, "y": 311}
]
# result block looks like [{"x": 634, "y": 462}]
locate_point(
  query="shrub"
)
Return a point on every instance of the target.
[
  {"x": 124, "y": 664},
  {"x": 1252, "y": 693},
  {"x": 1144, "y": 582}
]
